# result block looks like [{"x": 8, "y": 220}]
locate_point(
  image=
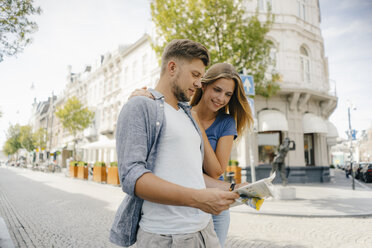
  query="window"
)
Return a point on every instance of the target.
[
  {"x": 134, "y": 70},
  {"x": 274, "y": 58},
  {"x": 309, "y": 149},
  {"x": 305, "y": 65},
  {"x": 268, "y": 143},
  {"x": 264, "y": 5},
  {"x": 302, "y": 9},
  {"x": 144, "y": 65}
]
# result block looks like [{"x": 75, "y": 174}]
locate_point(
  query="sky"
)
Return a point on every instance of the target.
[{"x": 77, "y": 32}]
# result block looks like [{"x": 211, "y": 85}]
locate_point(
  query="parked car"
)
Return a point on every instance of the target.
[
  {"x": 359, "y": 169},
  {"x": 367, "y": 173}
]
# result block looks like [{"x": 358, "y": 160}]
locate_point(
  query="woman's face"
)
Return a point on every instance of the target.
[{"x": 218, "y": 94}]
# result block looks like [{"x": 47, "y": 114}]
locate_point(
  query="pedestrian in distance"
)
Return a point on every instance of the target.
[
  {"x": 160, "y": 152},
  {"x": 222, "y": 112}
]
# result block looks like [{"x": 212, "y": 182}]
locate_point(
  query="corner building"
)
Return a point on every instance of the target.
[{"x": 307, "y": 97}]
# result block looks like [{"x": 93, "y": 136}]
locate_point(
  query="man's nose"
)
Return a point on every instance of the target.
[{"x": 197, "y": 83}]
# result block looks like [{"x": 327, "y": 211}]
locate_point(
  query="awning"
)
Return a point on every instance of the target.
[
  {"x": 313, "y": 124},
  {"x": 272, "y": 120},
  {"x": 332, "y": 130},
  {"x": 332, "y": 134},
  {"x": 69, "y": 146},
  {"x": 101, "y": 144}
]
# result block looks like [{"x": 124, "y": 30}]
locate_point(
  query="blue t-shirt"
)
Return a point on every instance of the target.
[{"x": 224, "y": 125}]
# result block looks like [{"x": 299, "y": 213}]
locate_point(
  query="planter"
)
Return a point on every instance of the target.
[
  {"x": 73, "y": 169},
  {"x": 332, "y": 172},
  {"x": 237, "y": 172},
  {"x": 113, "y": 174},
  {"x": 99, "y": 172},
  {"x": 82, "y": 171}
]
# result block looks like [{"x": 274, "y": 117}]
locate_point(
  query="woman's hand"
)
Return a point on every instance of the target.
[{"x": 141, "y": 92}]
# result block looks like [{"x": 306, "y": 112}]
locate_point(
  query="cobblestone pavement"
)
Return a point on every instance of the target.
[
  {"x": 38, "y": 215},
  {"x": 47, "y": 210},
  {"x": 249, "y": 230}
]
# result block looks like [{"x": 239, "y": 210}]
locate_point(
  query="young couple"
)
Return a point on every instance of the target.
[{"x": 170, "y": 155}]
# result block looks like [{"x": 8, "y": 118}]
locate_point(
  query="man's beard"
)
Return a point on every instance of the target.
[{"x": 178, "y": 92}]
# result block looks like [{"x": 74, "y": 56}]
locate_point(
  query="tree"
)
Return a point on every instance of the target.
[
  {"x": 75, "y": 118},
  {"x": 12, "y": 144},
  {"x": 26, "y": 138},
  {"x": 19, "y": 137},
  {"x": 40, "y": 138},
  {"x": 225, "y": 29},
  {"x": 15, "y": 25}
]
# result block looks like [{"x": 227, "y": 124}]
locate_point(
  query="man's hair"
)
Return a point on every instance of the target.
[{"x": 184, "y": 49}]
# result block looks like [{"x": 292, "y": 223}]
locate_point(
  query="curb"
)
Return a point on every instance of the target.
[
  {"x": 5, "y": 239},
  {"x": 308, "y": 215}
]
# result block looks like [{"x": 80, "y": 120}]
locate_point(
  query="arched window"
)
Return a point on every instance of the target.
[
  {"x": 274, "y": 57},
  {"x": 305, "y": 64}
]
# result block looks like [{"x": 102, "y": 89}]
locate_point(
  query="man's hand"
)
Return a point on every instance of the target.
[
  {"x": 239, "y": 185},
  {"x": 141, "y": 92},
  {"x": 214, "y": 201}
]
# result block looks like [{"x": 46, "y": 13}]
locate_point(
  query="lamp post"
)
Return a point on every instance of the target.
[{"x": 351, "y": 146}]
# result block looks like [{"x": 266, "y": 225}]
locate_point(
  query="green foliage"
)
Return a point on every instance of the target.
[
  {"x": 114, "y": 164},
  {"x": 74, "y": 117},
  {"x": 15, "y": 25},
  {"x": 73, "y": 163},
  {"x": 18, "y": 137},
  {"x": 12, "y": 144},
  {"x": 41, "y": 138},
  {"x": 99, "y": 164},
  {"x": 224, "y": 28},
  {"x": 81, "y": 163},
  {"x": 26, "y": 138},
  {"x": 233, "y": 162},
  {"x": 332, "y": 166}
]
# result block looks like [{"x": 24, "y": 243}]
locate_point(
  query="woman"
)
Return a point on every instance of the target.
[{"x": 222, "y": 111}]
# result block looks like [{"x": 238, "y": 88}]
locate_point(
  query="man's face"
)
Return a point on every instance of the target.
[{"x": 187, "y": 79}]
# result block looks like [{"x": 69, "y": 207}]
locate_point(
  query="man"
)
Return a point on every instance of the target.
[{"x": 160, "y": 155}]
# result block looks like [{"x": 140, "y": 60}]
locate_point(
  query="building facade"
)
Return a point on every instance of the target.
[
  {"x": 307, "y": 98},
  {"x": 300, "y": 110}
]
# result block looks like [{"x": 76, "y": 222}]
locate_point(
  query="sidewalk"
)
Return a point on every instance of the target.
[
  {"x": 5, "y": 240},
  {"x": 335, "y": 199}
]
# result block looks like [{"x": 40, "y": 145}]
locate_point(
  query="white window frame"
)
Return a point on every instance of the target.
[
  {"x": 305, "y": 65},
  {"x": 302, "y": 9},
  {"x": 263, "y": 5}
]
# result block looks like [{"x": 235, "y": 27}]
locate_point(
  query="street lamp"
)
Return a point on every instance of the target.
[{"x": 351, "y": 144}]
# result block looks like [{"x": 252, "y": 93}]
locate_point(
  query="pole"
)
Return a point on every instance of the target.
[{"x": 351, "y": 150}]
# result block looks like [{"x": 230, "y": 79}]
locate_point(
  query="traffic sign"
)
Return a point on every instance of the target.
[{"x": 248, "y": 84}]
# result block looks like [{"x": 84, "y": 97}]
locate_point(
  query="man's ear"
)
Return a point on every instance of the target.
[{"x": 172, "y": 67}]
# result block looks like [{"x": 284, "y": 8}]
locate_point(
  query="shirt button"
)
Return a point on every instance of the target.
[{"x": 157, "y": 123}]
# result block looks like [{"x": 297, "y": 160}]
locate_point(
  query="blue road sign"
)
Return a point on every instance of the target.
[
  {"x": 353, "y": 134},
  {"x": 248, "y": 84}
]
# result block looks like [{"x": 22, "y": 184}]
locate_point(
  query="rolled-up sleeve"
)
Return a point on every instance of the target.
[{"x": 132, "y": 143}]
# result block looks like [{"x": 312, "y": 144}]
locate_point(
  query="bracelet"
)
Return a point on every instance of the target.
[{"x": 232, "y": 187}]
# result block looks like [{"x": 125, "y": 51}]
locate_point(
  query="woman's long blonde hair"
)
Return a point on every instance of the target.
[{"x": 238, "y": 106}]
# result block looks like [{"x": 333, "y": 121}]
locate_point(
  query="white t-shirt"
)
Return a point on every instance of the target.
[{"x": 179, "y": 161}]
